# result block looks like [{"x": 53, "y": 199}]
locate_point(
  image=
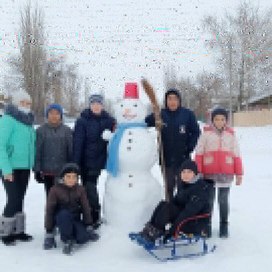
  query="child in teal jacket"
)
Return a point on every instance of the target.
[{"x": 17, "y": 141}]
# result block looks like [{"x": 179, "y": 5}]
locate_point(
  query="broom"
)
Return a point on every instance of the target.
[{"x": 158, "y": 124}]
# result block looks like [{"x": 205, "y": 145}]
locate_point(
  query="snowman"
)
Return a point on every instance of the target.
[{"x": 131, "y": 192}]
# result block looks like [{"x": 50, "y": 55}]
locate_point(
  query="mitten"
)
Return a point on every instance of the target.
[
  {"x": 39, "y": 177},
  {"x": 106, "y": 135}
]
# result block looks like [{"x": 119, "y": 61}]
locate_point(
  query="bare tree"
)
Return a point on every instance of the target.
[
  {"x": 242, "y": 42},
  {"x": 33, "y": 55},
  {"x": 72, "y": 88},
  {"x": 55, "y": 79},
  {"x": 208, "y": 91},
  {"x": 200, "y": 94},
  {"x": 46, "y": 77}
]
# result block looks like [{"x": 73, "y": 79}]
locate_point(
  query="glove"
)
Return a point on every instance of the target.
[
  {"x": 106, "y": 135},
  {"x": 49, "y": 241},
  {"x": 39, "y": 177},
  {"x": 93, "y": 236}
]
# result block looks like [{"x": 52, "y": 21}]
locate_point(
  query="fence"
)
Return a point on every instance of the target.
[{"x": 255, "y": 118}]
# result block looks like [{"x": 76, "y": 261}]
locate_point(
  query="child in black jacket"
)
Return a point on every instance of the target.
[{"x": 192, "y": 199}]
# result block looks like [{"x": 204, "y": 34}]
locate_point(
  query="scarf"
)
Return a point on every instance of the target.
[{"x": 112, "y": 165}]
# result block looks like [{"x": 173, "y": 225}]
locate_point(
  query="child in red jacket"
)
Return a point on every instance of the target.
[{"x": 218, "y": 158}]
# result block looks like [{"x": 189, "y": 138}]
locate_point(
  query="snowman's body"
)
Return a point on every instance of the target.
[{"x": 131, "y": 196}]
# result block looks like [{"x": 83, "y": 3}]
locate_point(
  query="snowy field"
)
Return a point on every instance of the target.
[{"x": 247, "y": 249}]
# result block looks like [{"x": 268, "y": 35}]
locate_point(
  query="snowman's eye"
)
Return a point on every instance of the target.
[
  {"x": 122, "y": 105},
  {"x": 135, "y": 105}
]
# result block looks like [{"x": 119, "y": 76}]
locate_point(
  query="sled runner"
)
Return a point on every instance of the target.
[{"x": 179, "y": 246}]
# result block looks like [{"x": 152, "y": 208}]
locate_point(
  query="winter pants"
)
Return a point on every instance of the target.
[
  {"x": 89, "y": 180},
  {"x": 164, "y": 213},
  {"x": 71, "y": 228},
  {"x": 223, "y": 203},
  {"x": 171, "y": 178},
  {"x": 15, "y": 192},
  {"x": 167, "y": 212},
  {"x": 49, "y": 181}
]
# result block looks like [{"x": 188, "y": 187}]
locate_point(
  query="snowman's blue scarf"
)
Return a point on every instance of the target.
[{"x": 113, "y": 160}]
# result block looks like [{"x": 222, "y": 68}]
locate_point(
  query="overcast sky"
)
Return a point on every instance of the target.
[{"x": 117, "y": 41}]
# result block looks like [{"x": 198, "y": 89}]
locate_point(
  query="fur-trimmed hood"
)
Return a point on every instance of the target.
[{"x": 25, "y": 118}]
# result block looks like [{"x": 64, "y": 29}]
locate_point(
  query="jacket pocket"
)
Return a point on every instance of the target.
[
  {"x": 208, "y": 159},
  {"x": 10, "y": 149},
  {"x": 229, "y": 160}
]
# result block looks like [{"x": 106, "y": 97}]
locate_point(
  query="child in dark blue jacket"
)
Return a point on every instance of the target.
[
  {"x": 179, "y": 131},
  {"x": 90, "y": 149}
]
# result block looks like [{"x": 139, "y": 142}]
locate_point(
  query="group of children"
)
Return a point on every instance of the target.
[
  {"x": 217, "y": 161},
  {"x": 68, "y": 209},
  {"x": 46, "y": 151}
]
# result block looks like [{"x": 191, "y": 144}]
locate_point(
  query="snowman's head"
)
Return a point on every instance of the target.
[{"x": 130, "y": 111}]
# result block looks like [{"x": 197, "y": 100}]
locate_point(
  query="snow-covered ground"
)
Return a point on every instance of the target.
[{"x": 247, "y": 249}]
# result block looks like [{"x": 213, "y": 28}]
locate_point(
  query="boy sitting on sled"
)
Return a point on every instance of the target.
[
  {"x": 192, "y": 199},
  {"x": 66, "y": 202}
]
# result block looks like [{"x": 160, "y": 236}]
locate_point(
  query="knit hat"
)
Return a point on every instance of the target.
[
  {"x": 69, "y": 168},
  {"x": 189, "y": 164},
  {"x": 173, "y": 91},
  {"x": 96, "y": 98},
  {"x": 19, "y": 96},
  {"x": 219, "y": 111},
  {"x": 56, "y": 107}
]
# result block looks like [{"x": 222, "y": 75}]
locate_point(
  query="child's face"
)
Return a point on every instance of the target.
[
  {"x": 187, "y": 175},
  {"x": 70, "y": 179},
  {"x": 96, "y": 108},
  {"x": 219, "y": 121},
  {"x": 172, "y": 102},
  {"x": 26, "y": 104},
  {"x": 54, "y": 117}
]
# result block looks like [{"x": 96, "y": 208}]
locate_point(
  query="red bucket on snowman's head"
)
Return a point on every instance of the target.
[{"x": 131, "y": 90}]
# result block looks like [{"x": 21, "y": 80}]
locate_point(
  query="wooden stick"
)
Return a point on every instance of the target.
[{"x": 158, "y": 124}]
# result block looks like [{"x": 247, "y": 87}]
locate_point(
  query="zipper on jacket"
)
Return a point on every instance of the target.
[
  {"x": 29, "y": 146},
  {"x": 220, "y": 150}
]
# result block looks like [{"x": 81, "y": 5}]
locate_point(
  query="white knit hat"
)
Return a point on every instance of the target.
[{"x": 19, "y": 96}]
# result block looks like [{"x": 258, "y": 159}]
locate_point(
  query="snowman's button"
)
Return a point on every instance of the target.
[
  {"x": 130, "y": 140},
  {"x": 129, "y": 132},
  {"x": 130, "y": 176},
  {"x": 129, "y": 148},
  {"x": 130, "y": 185}
]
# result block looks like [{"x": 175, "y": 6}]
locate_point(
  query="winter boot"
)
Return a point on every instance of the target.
[
  {"x": 68, "y": 247},
  {"x": 223, "y": 231},
  {"x": 49, "y": 241},
  {"x": 209, "y": 230},
  {"x": 93, "y": 236},
  {"x": 96, "y": 218},
  {"x": 7, "y": 227},
  {"x": 150, "y": 233},
  {"x": 9, "y": 240},
  {"x": 20, "y": 228}
]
